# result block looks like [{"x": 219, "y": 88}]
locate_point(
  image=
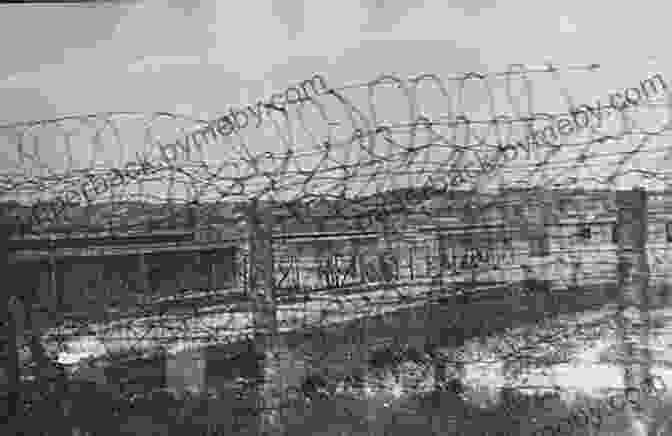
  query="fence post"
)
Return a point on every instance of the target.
[
  {"x": 10, "y": 378},
  {"x": 548, "y": 224},
  {"x": 499, "y": 245},
  {"x": 438, "y": 276},
  {"x": 385, "y": 247},
  {"x": 144, "y": 275},
  {"x": 361, "y": 262},
  {"x": 11, "y": 365},
  {"x": 261, "y": 280},
  {"x": 210, "y": 262},
  {"x": 579, "y": 275},
  {"x": 667, "y": 277},
  {"x": 261, "y": 289},
  {"x": 53, "y": 282},
  {"x": 633, "y": 276},
  {"x": 195, "y": 278},
  {"x": 411, "y": 261},
  {"x": 470, "y": 240}
]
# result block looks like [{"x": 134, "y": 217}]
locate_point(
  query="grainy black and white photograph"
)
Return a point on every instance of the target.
[{"x": 357, "y": 217}]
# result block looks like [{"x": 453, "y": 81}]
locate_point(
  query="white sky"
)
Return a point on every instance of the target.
[{"x": 199, "y": 58}]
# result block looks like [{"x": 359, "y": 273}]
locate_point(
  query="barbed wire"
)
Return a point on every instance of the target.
[
  {"x": 333, "y": 158},
  {"x": 373, "y": 155}
]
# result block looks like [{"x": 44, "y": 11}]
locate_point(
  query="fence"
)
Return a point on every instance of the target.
[{"x": 378, "y": 215}]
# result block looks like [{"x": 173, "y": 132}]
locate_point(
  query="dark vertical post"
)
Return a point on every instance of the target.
[
  {"x": 262, "y": 291},
  {"x": 359, "y": 258},
  {"x": 261, "y": 280},
  {"x": 53, "y": 282},
  {"x": 667, "y": 210},
  {"x": 500, "y": 235},
  {"x": 144, "y": 275},
  {"x": 389, "y": 255},
  {"x": 210, "y": 259},
  {"x": 474, "y": 239},
  {"x": 633, "y": 270},
  {"x": 411, "y": 260},
  {"x": 429, "y": 270},
  {"x": 43, "y": 310},
  {"x": 10, "y": 365},
  {"x": 195, "y": 278},
  {"x": 578, "y": 274},
  {"x": 438, "y": 275},
  {"x": 547, "y": 232}
]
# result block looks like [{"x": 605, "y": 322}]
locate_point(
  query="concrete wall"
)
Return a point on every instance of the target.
[
  {"x": 484, "y": 255},
  {"x": 84, "y": 283},
  {"x": 540, "y": 238}
]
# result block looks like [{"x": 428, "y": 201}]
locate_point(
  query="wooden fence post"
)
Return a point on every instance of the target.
[
  {"x": 10, "y": 378},
  {"x": 633, "y": 272},
  {"x": 361, "y": 261},
  {"x": 385, "y": 248},
  {"x": 144, "y": 277},
  {"x": 667, "y": 278},
  {"x": 548, "y": 232},
  {"x": 260, "y": 222},
  {"x": 210, "y": 262},
  {"x": 580, "y": 277},
  {"x": 502, "y": 236},
  {"x": 438, "y": 275},
  {"x": 52, "y": 298},
  {"x": 261, "y": 280},
  {"x": 429, "y": 269},
  {"x": 411, "y": 261}
]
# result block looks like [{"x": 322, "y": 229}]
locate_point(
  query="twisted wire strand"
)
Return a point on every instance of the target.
[
  {"x": 338, "y": 159},
  {"x": 381, "y": 162}
]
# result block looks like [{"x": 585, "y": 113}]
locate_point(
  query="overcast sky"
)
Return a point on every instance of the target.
[{"x": 198, "y": 58}]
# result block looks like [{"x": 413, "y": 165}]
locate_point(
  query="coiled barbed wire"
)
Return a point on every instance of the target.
[
  {"x": 350, "y": 165},
  {"x": 358, "y": 155}
]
